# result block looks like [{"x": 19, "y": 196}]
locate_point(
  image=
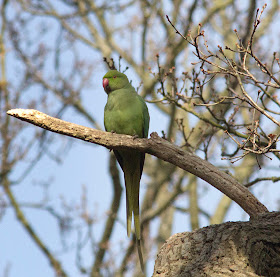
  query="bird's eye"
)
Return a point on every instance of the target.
[{"x": 115, "y": 77}]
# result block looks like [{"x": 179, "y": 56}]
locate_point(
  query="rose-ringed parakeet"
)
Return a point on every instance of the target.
[{"x": 127, "y": 113}]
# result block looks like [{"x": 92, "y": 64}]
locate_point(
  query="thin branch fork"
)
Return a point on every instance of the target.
[{"x": 155, "y": 146}]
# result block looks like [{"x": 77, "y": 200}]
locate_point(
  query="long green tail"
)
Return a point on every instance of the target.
[{"x": 132, "y": 183}]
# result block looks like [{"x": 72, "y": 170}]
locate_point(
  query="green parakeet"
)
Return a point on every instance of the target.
[{"x": 127, "y": 113}]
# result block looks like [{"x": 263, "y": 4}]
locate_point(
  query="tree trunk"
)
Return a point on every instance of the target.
[{"x": 230, "y": 249}]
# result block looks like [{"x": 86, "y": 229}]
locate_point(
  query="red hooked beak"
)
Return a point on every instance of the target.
[{"x": 105, "y": 84}]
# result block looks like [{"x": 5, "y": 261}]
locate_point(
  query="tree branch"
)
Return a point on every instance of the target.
[
  {"x": 30, "y": 230},
  {"x": 155, "y": 146},
  {"x": 108, "y": 229}
]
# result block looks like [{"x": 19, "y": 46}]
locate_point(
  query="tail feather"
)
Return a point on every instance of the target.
[
  {"x": 135, "y": 201},
  {"x": 132, "y": 183},
  {"x": 132, "y": 167},
  {"x": 138, "y": 243},
  {"x": 128, "y": 210}
]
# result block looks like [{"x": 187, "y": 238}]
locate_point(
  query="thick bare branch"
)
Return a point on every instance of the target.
[{"x": 155, "y": 146}]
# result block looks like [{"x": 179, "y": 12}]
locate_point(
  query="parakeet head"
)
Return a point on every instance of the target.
[{"x": 114, "y": 80}]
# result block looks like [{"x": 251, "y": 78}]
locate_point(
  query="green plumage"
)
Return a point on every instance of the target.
[{"x": 126, "y": 113}]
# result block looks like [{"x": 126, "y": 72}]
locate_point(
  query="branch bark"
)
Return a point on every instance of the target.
[
  {"x": 228, "y": 249},
  {"x": 155, "y": 146}
]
